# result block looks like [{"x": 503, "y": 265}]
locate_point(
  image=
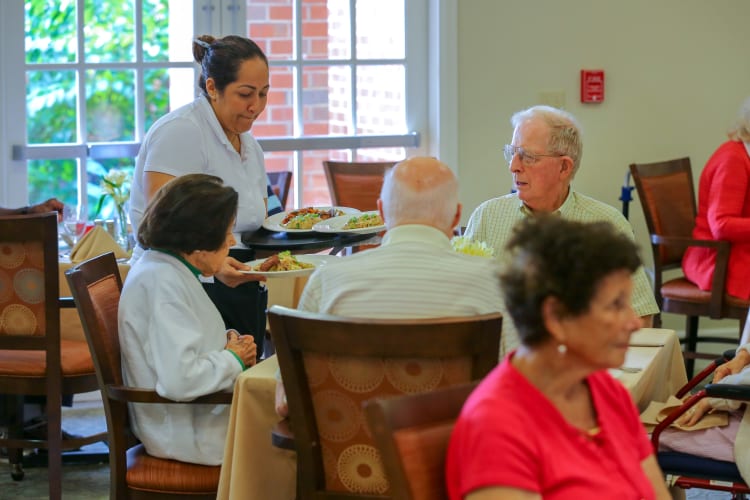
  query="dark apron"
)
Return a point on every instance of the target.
[{"x": 243, "y": 307}]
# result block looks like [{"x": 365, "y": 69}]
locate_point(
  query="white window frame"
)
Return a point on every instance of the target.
[{"x": 431, "y": 92}]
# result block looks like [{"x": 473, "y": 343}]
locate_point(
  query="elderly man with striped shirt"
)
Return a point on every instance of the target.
[{"x": 414, "y": 273}]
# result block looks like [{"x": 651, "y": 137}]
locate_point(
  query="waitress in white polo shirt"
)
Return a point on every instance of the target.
[{"x": 211, "y": 135}]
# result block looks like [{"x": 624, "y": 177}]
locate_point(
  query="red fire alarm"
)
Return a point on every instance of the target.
[{"x": 592, "y": 85}]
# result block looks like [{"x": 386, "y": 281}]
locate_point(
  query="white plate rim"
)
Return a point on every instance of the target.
[
  {"x": 335, "y": 225},
  {"x": 273, "y": 222},
  {"x": 316, "y": 259}
]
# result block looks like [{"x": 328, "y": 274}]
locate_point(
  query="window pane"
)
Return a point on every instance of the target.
[
  {"x": 380, "y": 29},
  {"x": 326, "y": 29},
  {"x": 167, "y": 30},
  {"x": 51, "y": 98},
  {"x": 53, "y": 178},
  {"x": 109, "y": 31},
  {"x": 381, "y": 106},
  {"x": 380, "y": 154},
  {"x": 110, "y": 105},
  {"x": 165, "y": 90},
  {"x": 95, "y": 170},
  {"x": 278, "y": 118},
  {"x": 271, "y": 26},
  {"x": 50, "y": 31},
  {"x": 326, "y": 100},
  {"x": 279, "y": 161},
  {"x": 315, "y": 186}
]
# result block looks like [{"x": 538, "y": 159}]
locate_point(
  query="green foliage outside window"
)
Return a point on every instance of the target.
[{"x": 53, "y": 100}]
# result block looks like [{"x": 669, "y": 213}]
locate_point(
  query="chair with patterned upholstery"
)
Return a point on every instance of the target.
[
  {"x": 96, "y": 286},
  {"x": 331, "y": 365},
  {"x": 34, "y": 359},
  {"x": 412, "y": 433}
]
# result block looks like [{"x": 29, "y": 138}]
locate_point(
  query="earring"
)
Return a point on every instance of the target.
[{"x": 562, "y": 349}]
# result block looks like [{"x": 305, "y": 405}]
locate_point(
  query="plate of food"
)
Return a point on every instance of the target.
[
  {"x": 284, "y": 264},
  {"x": 362, "y": 223},
  {"x": 303, "y": 219}
]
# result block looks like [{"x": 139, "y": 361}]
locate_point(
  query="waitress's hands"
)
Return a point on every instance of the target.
[
  {"x": 243, "y": 346},
  {"x": 230, "y": 274}
]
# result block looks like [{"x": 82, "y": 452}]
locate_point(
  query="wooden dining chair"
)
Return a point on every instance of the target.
[
  {"x": 281, "y": 181},
  {"x": 668, "y": 199},
  {"x": 96, "y": 286},
  {"x": 412, "y": 434},
  {"x": 355, "y": 184},
  {"x": 331, "y": 365},
  {"x": 34, "y": 359}
]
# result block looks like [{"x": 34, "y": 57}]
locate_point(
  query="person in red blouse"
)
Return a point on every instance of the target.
[
  {"x": 724, "y": 211},
  {"x": 550, "y": 422}
]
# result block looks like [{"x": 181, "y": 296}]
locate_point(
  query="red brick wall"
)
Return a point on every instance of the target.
[{"x": 326, "y": 90}]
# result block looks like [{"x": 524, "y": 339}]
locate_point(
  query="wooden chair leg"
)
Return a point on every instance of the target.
[
  {"x": 691, "y": 343},
  {"x": 15, "y": 431}
]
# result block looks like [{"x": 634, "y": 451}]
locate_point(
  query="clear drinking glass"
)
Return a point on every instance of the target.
[{"x": 73, "y": 222}]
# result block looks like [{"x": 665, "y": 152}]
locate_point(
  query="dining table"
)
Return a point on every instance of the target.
[
  {"x": 254, "y": 468},
  {"x": 266, "y": 242},
  {"x": 654, "y": 367}
]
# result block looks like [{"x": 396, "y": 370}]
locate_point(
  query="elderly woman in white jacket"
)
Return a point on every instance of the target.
[{"x": 173, "y": 338}]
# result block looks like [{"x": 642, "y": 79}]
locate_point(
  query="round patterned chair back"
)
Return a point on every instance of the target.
[
  {"x": 22, "y": 307},
  {"x": 339, "y": 385}
]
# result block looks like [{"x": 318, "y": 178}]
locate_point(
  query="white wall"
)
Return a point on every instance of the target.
[{"x": 676, "y": 73}]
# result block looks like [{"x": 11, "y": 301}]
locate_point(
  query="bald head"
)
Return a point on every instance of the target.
[{"x": 420, "y": 190}]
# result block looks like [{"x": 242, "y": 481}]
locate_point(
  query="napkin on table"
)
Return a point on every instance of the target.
[{"x": 96, "y": 242}]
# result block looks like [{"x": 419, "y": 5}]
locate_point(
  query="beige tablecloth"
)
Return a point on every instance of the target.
[
  {"x": 656, "y": 352},
  {"x": 254, "y": 468}
]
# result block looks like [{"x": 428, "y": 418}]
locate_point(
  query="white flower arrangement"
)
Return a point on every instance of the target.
[
  {"x": 462, "y": 244},
  {"x": 116, "y": 185}
]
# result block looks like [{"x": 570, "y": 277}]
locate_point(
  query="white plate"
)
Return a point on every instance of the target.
[
  {"x": 273, "y": 223},
  {"x": 316, "y": 260},
  {"x": 336, "y": 225}
]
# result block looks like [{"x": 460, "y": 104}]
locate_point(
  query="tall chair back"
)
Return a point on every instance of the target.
[
  {"x": 331, "y": 365},
  {"x": 412, "y": 434},
  {"x": 34, "y": 359},
  {"x": 355, "y": 184},
  {"x": 96, "y": 287},
  {"x": 668, "y": 199}
]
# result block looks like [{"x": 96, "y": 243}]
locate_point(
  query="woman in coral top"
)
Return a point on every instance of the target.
[
  {"x": 724, "y": 211},
  {"x": 550, "y": 422}
]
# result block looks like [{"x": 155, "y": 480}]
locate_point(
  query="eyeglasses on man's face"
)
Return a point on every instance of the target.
[{"x": 528, "y": 159}]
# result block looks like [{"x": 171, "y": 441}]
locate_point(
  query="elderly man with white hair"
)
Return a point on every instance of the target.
[{"x": 543, "y": 157}]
